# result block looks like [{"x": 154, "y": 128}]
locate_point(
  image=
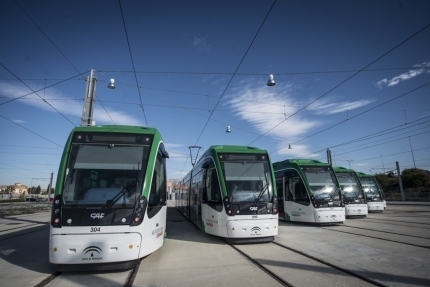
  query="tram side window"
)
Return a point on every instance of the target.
[
  {"x": 158, "y": 187},
  {"x": 212, "y": 187},
  {"x": 280, "y": 188},
  {"x": 295, "y": 188}
]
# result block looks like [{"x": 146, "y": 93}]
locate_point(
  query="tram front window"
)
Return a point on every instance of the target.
[
  {"x": 349, "y": 184},
  {"x": 370, "y": 188},
  {"x": 322, "y": 183},
  {"x": 248, "y": 181},
  {"x": 98, "y": 173}
]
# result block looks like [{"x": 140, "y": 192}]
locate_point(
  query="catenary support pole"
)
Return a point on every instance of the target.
[{"x": 399, "y": 176}]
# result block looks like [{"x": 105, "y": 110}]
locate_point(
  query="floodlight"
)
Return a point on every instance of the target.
[
  {"x": 271, "y": 82},
  {"x": 111, "y": 84}
]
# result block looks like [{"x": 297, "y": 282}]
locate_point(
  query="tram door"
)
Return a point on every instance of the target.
[
  {"x": 298, "y": 203},
  {"x": 281, "y": 195}
]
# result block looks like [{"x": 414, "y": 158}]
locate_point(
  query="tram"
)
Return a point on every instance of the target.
[
  {"x": 373, "y": 192},
  {"x": 353, "y": 194},
  {"x": 109, "y": 207},
  {"x": 308, "y": 191},
  {"x": 230, "y": 193}
]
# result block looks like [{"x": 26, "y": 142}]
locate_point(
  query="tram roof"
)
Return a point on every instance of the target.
[
  {"x": 300, "y": 162},
  {"x": 342, "y": 169},
  {"x": 362, "y": 174},
  {"x": 234, "y": 148},
  {"x": 117, "y": 128}
]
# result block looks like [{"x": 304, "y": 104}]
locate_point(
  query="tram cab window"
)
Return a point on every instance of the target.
[{"x": 157, "y": 195}]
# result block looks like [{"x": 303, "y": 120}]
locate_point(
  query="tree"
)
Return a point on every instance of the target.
[
  {"x": 383, "y": 180},
  {"x": 10, "y": 188},
  {"x": 38, "y": 189},
  {"x": 414, "y": 177}
]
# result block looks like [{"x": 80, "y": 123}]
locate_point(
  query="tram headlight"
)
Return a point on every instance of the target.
[
  {"x": 227, "y": 206},
  {"x": 139, "y": 211},
  {"x": 56, "y": 212}
]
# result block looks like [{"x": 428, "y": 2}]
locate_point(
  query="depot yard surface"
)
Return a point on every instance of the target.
[
  {"x": 18, "y": 208},
  {"x": 385, "y": 249}
]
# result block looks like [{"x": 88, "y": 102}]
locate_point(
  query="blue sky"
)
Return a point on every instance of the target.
[{"x": 352, "y": 76}]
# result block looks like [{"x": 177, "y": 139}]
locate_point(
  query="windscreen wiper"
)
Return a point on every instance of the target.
[
  {"x": 262, "y": 191},
  {"x": 126, "y": 188}
]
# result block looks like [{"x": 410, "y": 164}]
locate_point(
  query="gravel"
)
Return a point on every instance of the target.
[{"x": 17, "y": 208}]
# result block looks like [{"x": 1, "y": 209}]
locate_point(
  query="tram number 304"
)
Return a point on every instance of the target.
[
  {"x": 254, "y": 216},
  {"x": 95, "y": 229}
]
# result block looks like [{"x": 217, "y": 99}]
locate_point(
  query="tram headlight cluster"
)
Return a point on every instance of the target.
[
  {"x": 228, "y": 207},
  {"x": 314, "y": 203},
  {"x": 56, "y": 212},
  {"x": 139, "y": 211},
  {"x": 275, "y": 205}
]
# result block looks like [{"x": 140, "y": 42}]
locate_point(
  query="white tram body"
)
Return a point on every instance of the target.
[
  {"x": 230, "y": 193},
  {"x": 109, "y": 209},
  {"x": 107, "y": 244},
  {"x": 308, "y": 191},
  {"x": 352, "y": 191},
  {"x": 373, "y": 192}
]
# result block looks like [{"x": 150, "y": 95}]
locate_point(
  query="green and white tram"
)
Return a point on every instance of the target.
[
  {"x": 373, "y": 192},
  {"x": 230, "y": 193},
  {"x": 109, "y": 208},
  {"x": 308, "y": 191},
  {"x": 355, "y": 202}
]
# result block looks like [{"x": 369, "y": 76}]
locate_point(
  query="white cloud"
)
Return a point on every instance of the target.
[
  {"x": 19, "y": 121},
  {"x": 323, "y": 107},
  {"x": 201, "y": 44},
  {"x": 420, "y": 68},
  {"x": 274, "y": 106},
  {"x": 65, "y": 105}
]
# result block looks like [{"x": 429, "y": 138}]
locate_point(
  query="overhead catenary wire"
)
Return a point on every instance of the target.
[
  {"x": 56, "y": 47},
  {"x": 344, "y": 81},
  {"x": 378, "y": 134},
  {"x": 37, "y": 95},
  {"x": 265, "y": 74},
  {"x": 33, "y": 92},
  {"x": 360, "y": 114},
  {"x": 132, "y": 62},
  {"x": 237, "y": 68},
  {"x": 31, "y": 131}
]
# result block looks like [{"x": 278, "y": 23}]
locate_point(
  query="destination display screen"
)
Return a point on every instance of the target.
[
  {"x": 89, "y": 137},
  {"x": 242, "y": 157}
]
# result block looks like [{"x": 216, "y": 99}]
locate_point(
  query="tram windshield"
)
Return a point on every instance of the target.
[
  {"x": 370, "y": 187},
  {"x": 248, "y": 178},
  {"x": 350, "y": 185},
  {"x": 322, "y": 182},
  {"x": 104, "y": 169}
]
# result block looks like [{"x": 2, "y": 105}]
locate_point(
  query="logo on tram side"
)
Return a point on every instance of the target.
[
  {"x": 211, "y": 222},
  {"x": 255, "y": 231},
  {"x": 159, "y": 231},
  {"x": 95, "y": 253},
  {"x": 97, "y": 215}
]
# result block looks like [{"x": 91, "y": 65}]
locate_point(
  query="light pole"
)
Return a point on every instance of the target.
[
  {"x": 90, "y": 91},
  {"x": 412, "y": 152},
  {"x": 383, "y": 166},
  {"x": 349, "y": 161}
]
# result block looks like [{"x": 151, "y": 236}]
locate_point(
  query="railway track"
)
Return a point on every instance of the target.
[
  {"x": 281, "y": 278},
  {"x": 128, "y": 281},
  {"x": 379, "y": 237},
  {"x": 377, "y": 220}
]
